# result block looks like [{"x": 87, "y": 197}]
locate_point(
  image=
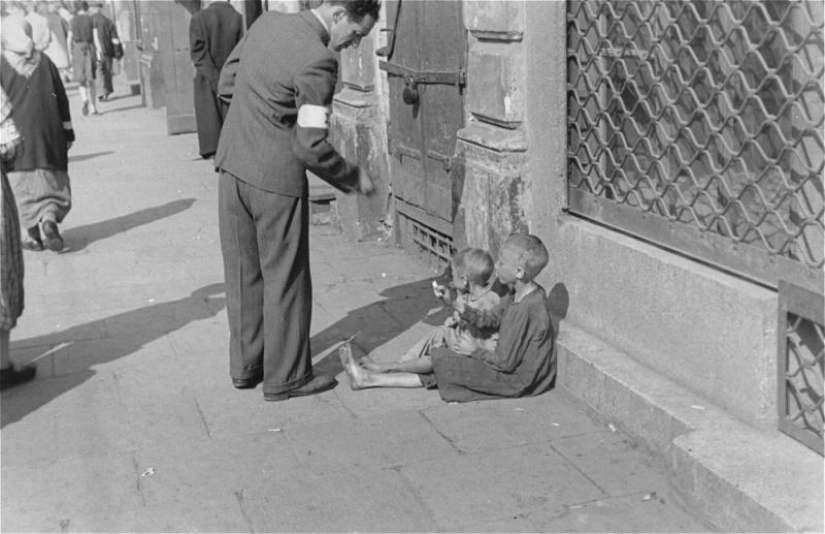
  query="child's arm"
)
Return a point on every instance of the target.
[{"x": 513, "y": 343}]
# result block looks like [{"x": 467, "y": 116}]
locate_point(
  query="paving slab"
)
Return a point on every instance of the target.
[{"x": 498, "y": 484}]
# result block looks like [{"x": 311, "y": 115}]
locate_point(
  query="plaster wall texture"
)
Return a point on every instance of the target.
[
  {"x": 358, "y": 130},
  {"x": 708, "y": 331},
  {"x": 358, "y": 136},
  {"x": 495, "y": 74},
  {"x": 504, "y": 18}
]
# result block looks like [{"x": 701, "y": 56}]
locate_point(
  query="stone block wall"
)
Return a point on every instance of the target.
[
  {"x": 496, "y": 188},
  {"x": 358, "y": 130}
]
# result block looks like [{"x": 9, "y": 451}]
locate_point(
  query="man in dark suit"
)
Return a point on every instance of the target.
[
  {"x": 107, "y": 32},
  {"x": 280, "y": 79},
  {"x": 213, "y": 33}
]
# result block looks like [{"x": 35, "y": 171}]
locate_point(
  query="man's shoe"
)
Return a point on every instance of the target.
[
  {"x": 248, "y": 383},
  {"x": 12, "y": 377},
  {"x": 318, "y": 384}
]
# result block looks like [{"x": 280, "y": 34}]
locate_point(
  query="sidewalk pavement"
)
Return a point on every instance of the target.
[{"x": 133, "y": 425}]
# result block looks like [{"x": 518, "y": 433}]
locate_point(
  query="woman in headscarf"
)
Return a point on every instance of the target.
[
  {"x": 38, "y": 175},
  {"x": 11, "y": 257}
]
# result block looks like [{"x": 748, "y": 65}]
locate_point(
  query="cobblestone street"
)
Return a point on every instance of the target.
[{"x": 132, "y": 423}]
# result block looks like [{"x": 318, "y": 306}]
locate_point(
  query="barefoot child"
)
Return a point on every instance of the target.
[
  {"x": 472, "y": 272},
  {"x": 523, "y": 362}
]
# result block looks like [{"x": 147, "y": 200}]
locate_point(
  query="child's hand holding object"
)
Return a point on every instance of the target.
[{"x": 464, "y": 344}]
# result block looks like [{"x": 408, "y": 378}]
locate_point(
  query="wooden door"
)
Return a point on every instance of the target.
[{"x": 426, "y": 77}]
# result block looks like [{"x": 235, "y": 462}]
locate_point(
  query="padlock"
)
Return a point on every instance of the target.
[{"x": 410, "y": 94}]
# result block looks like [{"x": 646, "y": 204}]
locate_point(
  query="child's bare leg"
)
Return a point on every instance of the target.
[
  {"x": 417, "y": 366},
  {"x": 360, "y": 378}
]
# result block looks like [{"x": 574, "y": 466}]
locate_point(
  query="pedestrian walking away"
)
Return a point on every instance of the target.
[
  {"x": 213, "y": 33},
  {"x": 84, "y": 42},
  {"x": 59, "y": 28},
  {"x": 280, "y": 79},
  {"x": 39, "y": 173},
  {"x": 41, "y": 33},
  {"x": 106, "y": 44},
  {"x": 11, "y": 255}
]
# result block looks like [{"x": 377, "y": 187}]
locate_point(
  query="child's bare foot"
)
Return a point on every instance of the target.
[{"x": 359, "y": 377}]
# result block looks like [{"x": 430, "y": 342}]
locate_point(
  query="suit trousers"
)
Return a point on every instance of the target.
[{"x": 265, "y": 245}]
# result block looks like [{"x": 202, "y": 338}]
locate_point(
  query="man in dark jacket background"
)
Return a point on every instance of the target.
[
  {"x": 281, "y": 79},
  {"x": 213, "y": 33},
  {"x": 107, "y": 33}
]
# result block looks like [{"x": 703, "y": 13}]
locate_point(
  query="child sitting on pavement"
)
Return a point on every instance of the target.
[
  {"x": 523, "y": 362},
  {"x": 473, "y": 280}
]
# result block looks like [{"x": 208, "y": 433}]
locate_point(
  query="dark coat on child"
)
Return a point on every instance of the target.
[
  {"x": 213, "y": 33},
  {"x": 523, "y": 364}
]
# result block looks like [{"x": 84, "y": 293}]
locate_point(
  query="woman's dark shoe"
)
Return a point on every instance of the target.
[
  {"x": 51, "y": 236},
  {"x": 13, "y": 377},
  {"x": 318, "y": 384}
]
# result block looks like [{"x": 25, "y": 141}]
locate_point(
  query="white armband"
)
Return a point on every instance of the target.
[{"x": 310, "y": 116}]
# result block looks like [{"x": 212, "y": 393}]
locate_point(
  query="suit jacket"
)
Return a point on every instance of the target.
[
  {"x": 281, "y": 79},
  {"x": 213, "y": 33}
]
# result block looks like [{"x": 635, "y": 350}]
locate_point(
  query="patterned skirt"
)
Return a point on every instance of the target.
[{"x": 11, "y": 258}]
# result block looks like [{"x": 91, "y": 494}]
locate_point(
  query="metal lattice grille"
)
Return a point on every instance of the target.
[
  {"x": 698, "y": 124},
  {"x": 432, "y": 246},
  {"x": 801, "y": 365}
]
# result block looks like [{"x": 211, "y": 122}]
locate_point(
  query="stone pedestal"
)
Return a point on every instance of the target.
[
  {"x": 358, "y": 131},
  {"x": 495, "y": 195}
]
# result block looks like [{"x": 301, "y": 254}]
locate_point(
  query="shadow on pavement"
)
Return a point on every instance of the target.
[
  {"x": 79, "y": 237},
  {"x": 121, "y": 110},
  {"x": 380, "y": 322},
  {"x": 84, "y": 157},
  {"x": 102, "y": 341}
]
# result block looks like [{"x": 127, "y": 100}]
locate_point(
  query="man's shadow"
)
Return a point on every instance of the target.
[
  {"x": 130, "y": 331},
  {"x": 79, "y": 237},
  {"x": 377, "y": 323}
]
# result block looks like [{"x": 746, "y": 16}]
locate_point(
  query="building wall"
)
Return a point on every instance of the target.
[{"x": 706, "y": 330}]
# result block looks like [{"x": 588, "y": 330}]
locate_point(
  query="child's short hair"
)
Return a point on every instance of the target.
[
  {"x": 476, "y": 264},
  {"x": 534, "y": 255}
]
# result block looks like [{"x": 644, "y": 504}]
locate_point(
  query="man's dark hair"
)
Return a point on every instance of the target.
[
  {"x": 81, "y": 5},
  {"x": 358, "y": 9}
]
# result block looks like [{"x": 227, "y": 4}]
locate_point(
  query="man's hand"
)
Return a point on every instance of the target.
[
  {"x": 10, "y": 150},
  {"x": 365, "y": 184}
]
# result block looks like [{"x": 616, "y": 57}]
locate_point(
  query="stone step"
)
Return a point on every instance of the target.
[{"x": 738, "y": 478}]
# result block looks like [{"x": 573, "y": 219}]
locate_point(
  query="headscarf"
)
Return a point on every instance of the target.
[{"x": 18, "y": 47}]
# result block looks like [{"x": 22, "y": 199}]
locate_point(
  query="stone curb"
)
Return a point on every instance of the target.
[{"x": 735, "y": 477}]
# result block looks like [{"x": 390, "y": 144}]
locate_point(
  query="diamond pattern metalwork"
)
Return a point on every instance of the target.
[
  {"x": 699, "y": 125},
  {"x": 801, "y": 365}
]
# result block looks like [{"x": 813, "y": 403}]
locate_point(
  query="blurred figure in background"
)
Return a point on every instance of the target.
[
  {"x": 57, "y": 50},
  {"x": 38, "y": 174},
  {"x": 213, "y": 33},
  {"x": 84, "y": 42},
  {"x": 41, "y": 34},
  {"x": 107, "y": 39}
]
